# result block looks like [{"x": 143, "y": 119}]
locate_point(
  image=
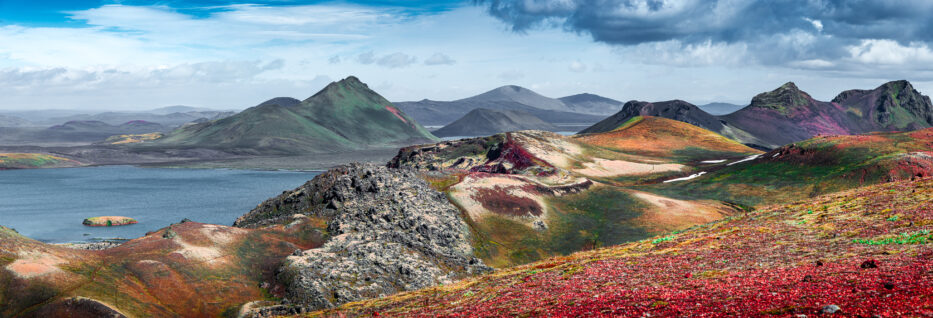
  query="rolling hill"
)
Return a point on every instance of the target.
[
  {"x": 662, "y": 137},
  {"x": 345, "y": 115},
  {"x": 482, "y": 121}
]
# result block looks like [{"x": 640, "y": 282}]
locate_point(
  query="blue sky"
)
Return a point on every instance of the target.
[{"x": 233, "y": 54}]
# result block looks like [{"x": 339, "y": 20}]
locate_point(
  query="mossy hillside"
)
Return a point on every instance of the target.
[
  {"x": 811, "y": 167},
  {"x": 345, "y": 115},
  {"x": 33, "y": 160},
  {"x": 601, "y": 217}
]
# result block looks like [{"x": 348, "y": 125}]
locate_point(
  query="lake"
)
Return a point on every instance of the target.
[{"x": 49, "y": 204}]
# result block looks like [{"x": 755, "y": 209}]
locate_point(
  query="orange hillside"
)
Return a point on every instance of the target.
[{"x": 663, "y": 137}]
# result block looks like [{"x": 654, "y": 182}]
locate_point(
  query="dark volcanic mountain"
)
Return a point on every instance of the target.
[
  {"x": 430, "y": 112},
  {"x": 483, "y": 122},
  {"x": 345, "y": 115},
  {"x": 518, "y": 94},
  {"x": 787, "y": 114},
  {"x": 591, "y": 104},
  {"x": 677, "y": 110},
  {"x": 893, "y": 106}
]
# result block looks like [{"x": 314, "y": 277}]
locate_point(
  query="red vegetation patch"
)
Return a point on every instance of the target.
[
  {"x": 778, "y": 261},
  {"x": 397, "y": 113},
  {"x": 497, "y": 200},
  {"x": 511, "y": 158},
  {"x": 915, "y": 165}
]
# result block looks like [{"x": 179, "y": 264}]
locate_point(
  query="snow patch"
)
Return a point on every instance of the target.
[
  {"x": 692, "y": 176},
  {"x": 749, "y": 158},
  {"x": 713, "y": 161}
]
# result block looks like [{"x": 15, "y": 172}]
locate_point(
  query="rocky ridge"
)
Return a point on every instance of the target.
[{"x": 388, "y": 232}]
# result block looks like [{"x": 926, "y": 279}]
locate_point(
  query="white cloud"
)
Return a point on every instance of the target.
[
  {"x": 577, "y": 66},
  {"x": 816, "y": 24},
  {"x": 674, "y": 52},
  {"x": 889, "y": 52},
  {"x": 511, "y": 75},
  {"x": 366, "y": 58},
  {"x": 439, "y": 59},
  {"x": 396, "y": 60}
]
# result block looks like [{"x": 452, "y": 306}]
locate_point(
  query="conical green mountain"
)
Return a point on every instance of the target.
[{"x": 345, "y": 115}]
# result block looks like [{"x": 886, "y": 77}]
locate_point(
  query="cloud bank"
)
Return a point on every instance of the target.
[{"x": 837, "y": 33}]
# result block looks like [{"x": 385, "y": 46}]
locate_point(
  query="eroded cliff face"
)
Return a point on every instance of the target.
[{"x": 388, "y": 232}]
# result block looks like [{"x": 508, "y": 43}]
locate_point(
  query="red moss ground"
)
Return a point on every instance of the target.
[
  {"x": 868, "y": 251},
  {"x": 499, "y": 201}
]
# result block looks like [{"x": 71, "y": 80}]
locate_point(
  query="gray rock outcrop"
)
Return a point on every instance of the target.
[{"x": 388, "y": 232}]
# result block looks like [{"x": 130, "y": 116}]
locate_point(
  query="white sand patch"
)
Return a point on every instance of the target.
[
  {"x": 692, "y": 176},
  {"x": 222, "y": 235},
  {"x": 556, "y": 150},
  {"x": 713, "y": 161},
  {"x": 610, "y": 168},
  {"x": 749, "y": 158},
  {"x": 35, "y": 264},
  {"x": 205, "y": 254}
]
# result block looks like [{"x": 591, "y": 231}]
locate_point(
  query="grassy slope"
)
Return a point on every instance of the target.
[
  {"x": 778, "y": 260},
  {"x": 812, "y": 167},
  {"x": 34, "y": 160},
  {"x": 666, "y": 138}
]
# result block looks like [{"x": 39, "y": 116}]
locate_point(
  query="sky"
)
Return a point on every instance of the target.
[{"x": 137, "y": 55}]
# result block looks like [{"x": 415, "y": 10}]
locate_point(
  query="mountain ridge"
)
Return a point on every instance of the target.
[
  {"x": 788, "y": 114},
  {"x": 345, "y": 115}
]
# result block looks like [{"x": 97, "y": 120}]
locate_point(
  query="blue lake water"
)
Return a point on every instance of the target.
[{"x": 49, "y": 204}]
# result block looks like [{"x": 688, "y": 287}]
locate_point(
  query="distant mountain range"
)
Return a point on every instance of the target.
[
  {"x": 13, "y": 121},
  {"x": 161, "y": 116},
  {"x": 80, "y": 131},
  {"x": 576, "y": 109},
  {"x": 720, "y": 108},
  {"x": 482, "y": 122},
  {"x": 344, "y": 116},
  {"x": 787, "y": 114}
]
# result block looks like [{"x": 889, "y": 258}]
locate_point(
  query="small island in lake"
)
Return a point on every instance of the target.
[{"x": 109, "y": 221}]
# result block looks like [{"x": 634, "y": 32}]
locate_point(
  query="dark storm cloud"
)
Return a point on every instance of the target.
[{"x": 629, "y": 22}]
